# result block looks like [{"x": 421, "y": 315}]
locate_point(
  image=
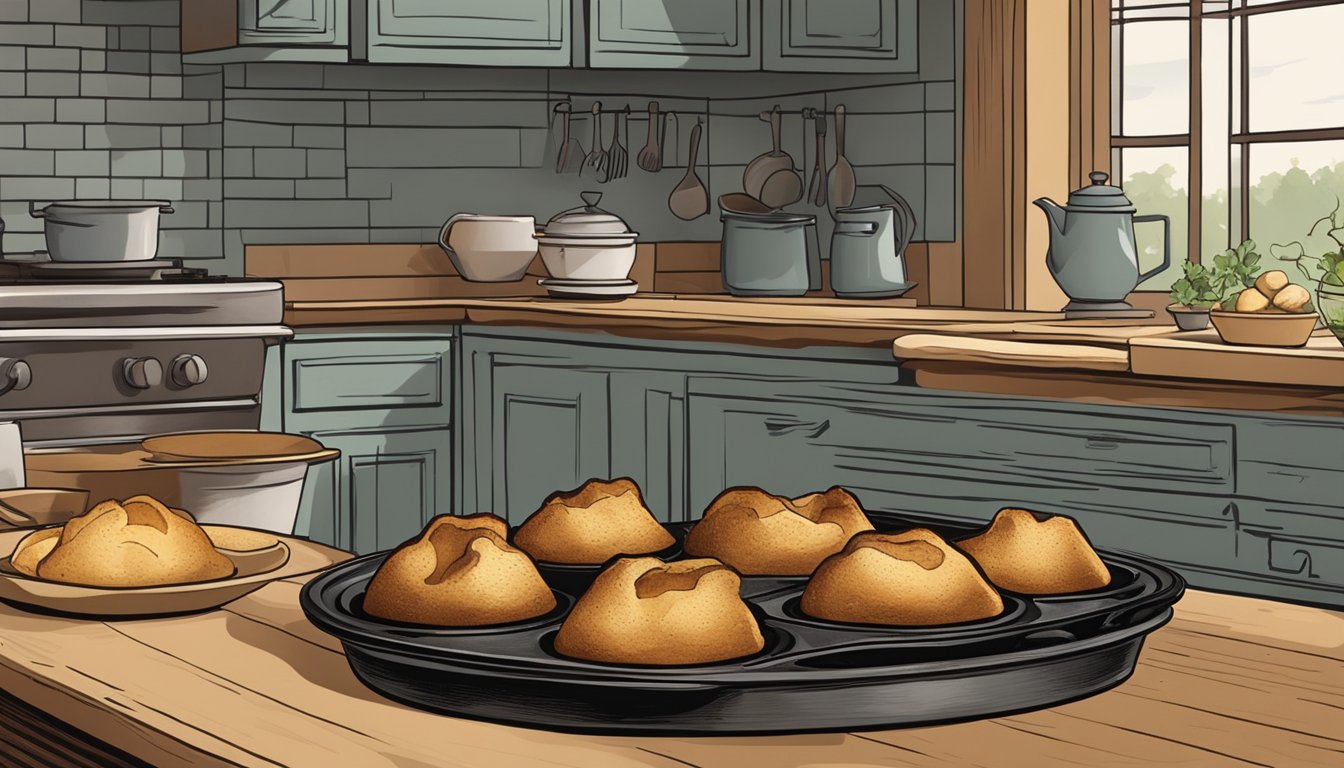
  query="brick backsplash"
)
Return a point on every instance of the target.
[{"x": 95, "y": 102}]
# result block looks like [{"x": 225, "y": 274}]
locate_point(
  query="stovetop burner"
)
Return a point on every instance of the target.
[{"x": 15, "y": 271}]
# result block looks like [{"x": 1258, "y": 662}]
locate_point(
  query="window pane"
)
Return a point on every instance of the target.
[
  {"x": 1156, "y": 181},
  {"x": 1293, "y": 185},
  {"x": 1294, "y": 66},
  {"x": 1156, "y": 78}
]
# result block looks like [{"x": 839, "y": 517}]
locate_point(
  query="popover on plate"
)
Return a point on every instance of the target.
[
  {"x": 137, "y": 542},
  {"x": 645, "y": 611},
  {"x": 1037, "y": 554},
  {"x": 760, "y": 534},
  {"x": 459, "y": 572},
  {"x": 591, "y": 525},
  {"x": 911, "y": 578}
]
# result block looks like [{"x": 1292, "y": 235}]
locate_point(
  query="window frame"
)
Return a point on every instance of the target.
[{"x": 1241, "y": 139}]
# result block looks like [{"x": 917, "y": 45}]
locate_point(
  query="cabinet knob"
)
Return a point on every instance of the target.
[
  {"x": 142, "y": 372},
  {"x": 15, "y": 375},
  {"x": 189, "y": 370}
]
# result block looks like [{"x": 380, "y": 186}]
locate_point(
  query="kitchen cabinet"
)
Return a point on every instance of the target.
[
  {"x": 293, "y": 22},
  {"x": 546, "y": 412},
  {"x": 266, "y": 30},
  {"x": 841, "y": 36},
  {"x": 523, "y": 33},
  {"x": 675, "y": 34},
  {"x": 965, "y": 458},
  {"x": 383, "y": 489},
  {"x": 385, "y": 400}
]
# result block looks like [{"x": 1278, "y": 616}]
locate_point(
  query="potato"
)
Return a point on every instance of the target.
[
  {"x": 1252, "y": 300},
  {"x": 1293, "y": 298},
  {"x": 1270, "y": 283}
]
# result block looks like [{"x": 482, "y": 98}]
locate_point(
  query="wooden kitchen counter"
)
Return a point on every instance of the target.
[{"x": 1231, "y": 681}]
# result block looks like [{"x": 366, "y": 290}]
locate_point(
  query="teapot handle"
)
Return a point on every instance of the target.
[
  {"x": 447, "y": 231},
  {"x": 1166, "y": 243}
]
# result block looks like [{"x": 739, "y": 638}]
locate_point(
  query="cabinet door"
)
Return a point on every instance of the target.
[
  {"x": 841, "y": 35},
  {"x": 381, "y": 491},
  {"x": 548, "y": 431},
  {"x": 675, "y": 34},
  {"x": 290, "y": 22},
  {"x": 648, "y": 437},
  {"x": 528, "y": 33}
]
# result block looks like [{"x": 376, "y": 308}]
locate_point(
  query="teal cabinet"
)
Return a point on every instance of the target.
[
  {"x": 523, "y": 33},
  {"x": 841, "y": 36},
  {"x": 675, "y": 34},
  {"x": 1159, "y": 488},
  {"x": 385, "y": 400},
  {"x": 382, "y": 490},
  {"x": 548, "y": 430},
  {"x": 293, "y": 22}
]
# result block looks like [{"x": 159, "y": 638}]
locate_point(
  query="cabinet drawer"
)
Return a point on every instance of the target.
[
  {"x": 1004, "y": 441},
  {"x": 344, "y": 383},
  {"x": 1288, "y": 557},
  {"x": 1293, "y": 461}
]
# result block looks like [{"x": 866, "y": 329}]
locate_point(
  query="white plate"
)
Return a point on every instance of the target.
[{"x": 580, "y": 289}]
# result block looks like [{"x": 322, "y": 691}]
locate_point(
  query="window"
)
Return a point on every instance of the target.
[{"x": 1228, "y": 114}]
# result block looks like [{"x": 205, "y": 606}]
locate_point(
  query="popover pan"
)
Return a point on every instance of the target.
[{"x": 812, "y": 676}]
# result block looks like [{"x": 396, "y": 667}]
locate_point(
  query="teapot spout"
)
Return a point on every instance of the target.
[{"x": 1053, "y": 212}]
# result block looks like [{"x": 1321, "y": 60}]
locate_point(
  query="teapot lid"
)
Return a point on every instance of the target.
[
  {"x": 587, "y": 221},
  {"x": 1100, "y": 196}
]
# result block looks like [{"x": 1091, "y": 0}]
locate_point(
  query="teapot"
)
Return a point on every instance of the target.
[{"x": 1092, "y": 252}]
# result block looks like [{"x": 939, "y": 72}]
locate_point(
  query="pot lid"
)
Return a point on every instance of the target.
[
  {"x": 1100, "y": 196},
  {"x": 587, "y": 221}
]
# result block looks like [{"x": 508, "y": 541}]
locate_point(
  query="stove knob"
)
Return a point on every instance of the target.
[
  {"x": 14, "y": 375},
  {"x": 142, "y": 372},
  {"x": 188, "y": 370}
]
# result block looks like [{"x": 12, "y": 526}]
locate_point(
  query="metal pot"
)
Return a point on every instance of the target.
[
  {"x": 587, "y": 243},
  {"x": 771, "y": 254},
  {"x": 102, "y": 230}
]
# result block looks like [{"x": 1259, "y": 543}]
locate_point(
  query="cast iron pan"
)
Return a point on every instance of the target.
[{"x": 812, "y": 676}]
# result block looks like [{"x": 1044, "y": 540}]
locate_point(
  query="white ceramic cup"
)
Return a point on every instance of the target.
[{"x": 489, "y": 249}]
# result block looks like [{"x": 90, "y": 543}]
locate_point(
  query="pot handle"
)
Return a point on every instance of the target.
[
  {"x": 813, "y": 259},
  {"x": 166, "y": 207},
  {"x": 1166, "y": 243},
  {"x": 855, "y": 228},
  {"x": 37, "y": 213},
  {"x": 447, "y": 230}
]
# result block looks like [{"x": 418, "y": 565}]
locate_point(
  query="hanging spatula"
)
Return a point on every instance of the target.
[
  {"x": 651, "y": 157},
  {"x": 570, "y": 157}
]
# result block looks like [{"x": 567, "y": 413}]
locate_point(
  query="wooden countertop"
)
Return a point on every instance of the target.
[{"x": 1231, "y": 681}]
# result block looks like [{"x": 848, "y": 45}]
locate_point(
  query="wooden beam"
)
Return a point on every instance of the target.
[
  {"x": 991, "y": 237},
  {"x": 209, "y": 25}
]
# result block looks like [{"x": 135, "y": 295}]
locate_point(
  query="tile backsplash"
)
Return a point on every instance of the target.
[{"x": 96, "y": 102}]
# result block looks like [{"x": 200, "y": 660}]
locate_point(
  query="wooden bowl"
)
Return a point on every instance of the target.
[{"x": 1265, "y": 329}]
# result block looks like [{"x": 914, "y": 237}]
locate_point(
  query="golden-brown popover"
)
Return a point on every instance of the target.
[
  {"x": 911, "y": 578},
  {"x": 459, "y": 572},
  {"x": 1037, "y": 554},
  {"x": 138, "y": 542},
  {"x": 760, "y": 534},
  {"x": 645, "y": 611},
  {"x": 591, "y": 525}
]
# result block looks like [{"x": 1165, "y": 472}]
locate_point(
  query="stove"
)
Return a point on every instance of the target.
[{"x": 102, "y": 353}]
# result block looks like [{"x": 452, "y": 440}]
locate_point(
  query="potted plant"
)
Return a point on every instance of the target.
[
  {"x": 1326, "y": 270},
  {"x": 1192, "y": 296},
  {"x": 1234, "y": 270}
]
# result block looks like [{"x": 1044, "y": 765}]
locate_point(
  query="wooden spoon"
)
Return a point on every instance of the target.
[
  {"x": 690, "y": 200},
  {"x": 843, "y": 184}
]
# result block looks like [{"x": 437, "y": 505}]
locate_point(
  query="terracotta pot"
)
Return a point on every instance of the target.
[{"x": 1265, "y": 329}]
